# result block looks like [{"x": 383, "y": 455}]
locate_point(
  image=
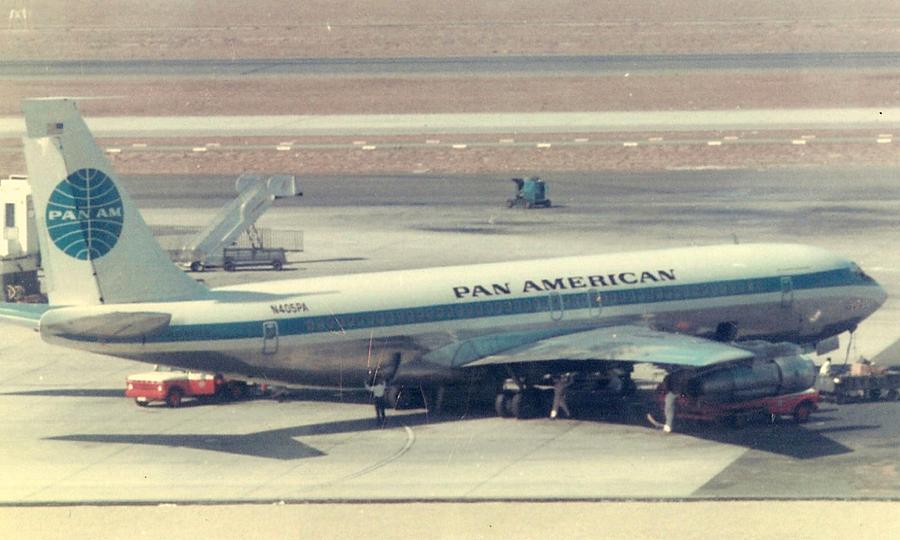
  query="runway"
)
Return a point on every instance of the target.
[
  {"x": 68, "y": 436},
  {"x": 476, "y": 65}
]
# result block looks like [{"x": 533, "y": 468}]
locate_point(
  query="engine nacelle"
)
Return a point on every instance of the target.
[{"x": 776, "y": 369}]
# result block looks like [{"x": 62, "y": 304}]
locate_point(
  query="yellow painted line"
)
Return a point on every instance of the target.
[
  {"x": 460, "y": 146},
  {"x": 799, "y": 141},
  {"x": 543, "y": 145},
  {"x": 884, "y": 140},
  {"x": 283, "y": 147},
  {"x": 113, "y": 150},
  {"x": 713, "y": 143},
  {"x": 369, "y": 147},
  {"x": 629, "y": 144},
  {"x": 199, "y": 149}
]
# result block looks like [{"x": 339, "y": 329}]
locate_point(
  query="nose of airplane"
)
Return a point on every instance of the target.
[{"x": 879, "y": 295}]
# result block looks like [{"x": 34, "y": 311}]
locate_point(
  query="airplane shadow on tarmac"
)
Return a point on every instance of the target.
[
  {"x": 782, "y": 438},
  {"x": 278, "y": 444}
]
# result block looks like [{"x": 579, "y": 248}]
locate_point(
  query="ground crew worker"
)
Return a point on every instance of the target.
[
  {"x": 560, "y": 387},
  {"x": 825, "y": 370},
  {"x": 378, "y": 389},
  {"x": 669, "y": 410}
]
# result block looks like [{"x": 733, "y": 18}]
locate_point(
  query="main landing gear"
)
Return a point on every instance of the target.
[
  {"x": 520, "y": 403},
  {"x": 531, "y": 395}
]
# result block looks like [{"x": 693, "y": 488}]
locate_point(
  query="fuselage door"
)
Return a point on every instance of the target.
[
  {"x": 270, "y": 337},
  {"x": 556, "y": 306},
  {"x": 595, "y": 303},
  {"x": 787, "y": 292}
]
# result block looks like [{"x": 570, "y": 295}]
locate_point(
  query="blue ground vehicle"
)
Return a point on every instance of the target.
[{"x": 530, "y": 193}]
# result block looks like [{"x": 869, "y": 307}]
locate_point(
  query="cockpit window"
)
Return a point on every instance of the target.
[{"x": 858, "y": 272}]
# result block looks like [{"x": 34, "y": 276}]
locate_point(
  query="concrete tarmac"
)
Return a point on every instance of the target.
[
  {"x": 69, "y": 437},
  {"x": 469, "y": 123}
]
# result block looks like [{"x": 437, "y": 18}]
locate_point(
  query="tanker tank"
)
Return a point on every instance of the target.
[{"x": 776, "y": 369}]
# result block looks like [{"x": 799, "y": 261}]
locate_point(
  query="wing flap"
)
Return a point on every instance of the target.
[{"x": 621, "y": 344}]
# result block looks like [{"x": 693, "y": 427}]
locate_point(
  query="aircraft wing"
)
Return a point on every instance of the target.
[
  {"x": 620, "y": 344},
  {"x": 22, "y": 314}
]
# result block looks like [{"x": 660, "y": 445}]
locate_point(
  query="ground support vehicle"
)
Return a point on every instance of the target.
[
  {"x": 798, "y": 405},
  {"x": 842, "y": 387},
  {"x": 530, "y": 193},
  {"x": 235, "y": 257},
  {"x": 172, "y": 387}
]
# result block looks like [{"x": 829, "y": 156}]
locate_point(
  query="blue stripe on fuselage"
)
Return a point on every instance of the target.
[{"x": 537, "y": 303}]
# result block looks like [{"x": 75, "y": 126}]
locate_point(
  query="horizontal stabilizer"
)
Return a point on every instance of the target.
[
  {"x": 622, "y": 344},
  {"x": 107, "y": 326},
  {"x": 22, "y": 314}
]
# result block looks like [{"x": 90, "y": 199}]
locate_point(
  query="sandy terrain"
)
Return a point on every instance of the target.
[
  {"x": 429, "y": 94},
  {"x": 270, "y": 28}
]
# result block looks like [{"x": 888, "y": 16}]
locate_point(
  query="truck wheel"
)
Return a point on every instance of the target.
[
  {"x": 510, "y": 203},
  {"x": 173, "y": 400},
  {"x": 141, "y": 402},
  {"x": 277, "y": 265},
  {"x": 197, "y": 266},
  {"x": 549, "y": 204},
  {"x": 893, "y": 394},
  {"x": 228, "y": 266},
  {"x": 802, "y": 412}
]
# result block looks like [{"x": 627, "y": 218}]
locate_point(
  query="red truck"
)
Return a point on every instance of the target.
[
  {"x": 173, "y": 386},
  {"x": 798, "y": 405}
]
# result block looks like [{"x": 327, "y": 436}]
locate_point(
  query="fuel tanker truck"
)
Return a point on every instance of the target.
[{"x": 777, "y": 381}]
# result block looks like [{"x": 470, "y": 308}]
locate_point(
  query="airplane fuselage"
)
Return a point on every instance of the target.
[{"x": 331, "y": 330}]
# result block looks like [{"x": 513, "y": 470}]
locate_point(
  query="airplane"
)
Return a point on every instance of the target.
[{"x": 112, "y": 290}]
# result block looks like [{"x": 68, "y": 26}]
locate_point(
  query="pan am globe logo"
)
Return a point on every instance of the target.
[{"x": 85, "y": 215}]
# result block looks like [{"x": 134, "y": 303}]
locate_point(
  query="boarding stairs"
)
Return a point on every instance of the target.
[{"x": 256, "y": 194}]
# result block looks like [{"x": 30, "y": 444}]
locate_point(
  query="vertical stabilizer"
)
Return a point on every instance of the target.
[{"x": 95, "y": 247}]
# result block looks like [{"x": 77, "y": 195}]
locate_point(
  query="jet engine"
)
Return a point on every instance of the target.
[{"x": 776, "y": 369}]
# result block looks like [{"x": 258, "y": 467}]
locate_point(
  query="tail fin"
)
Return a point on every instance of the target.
[{"x": 95, "y": 247}]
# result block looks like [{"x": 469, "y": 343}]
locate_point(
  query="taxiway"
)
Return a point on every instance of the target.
[{"x": 69, "y": 437}]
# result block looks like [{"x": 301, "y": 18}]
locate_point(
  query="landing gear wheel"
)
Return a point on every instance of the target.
[
  {"x": 524, "y": 404},
  {"x": 802, "y": 412},
  {"x": 173, "y": 400},
  {"x": 501, "y": 405},
  {"x": 517, "y": 405}
]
